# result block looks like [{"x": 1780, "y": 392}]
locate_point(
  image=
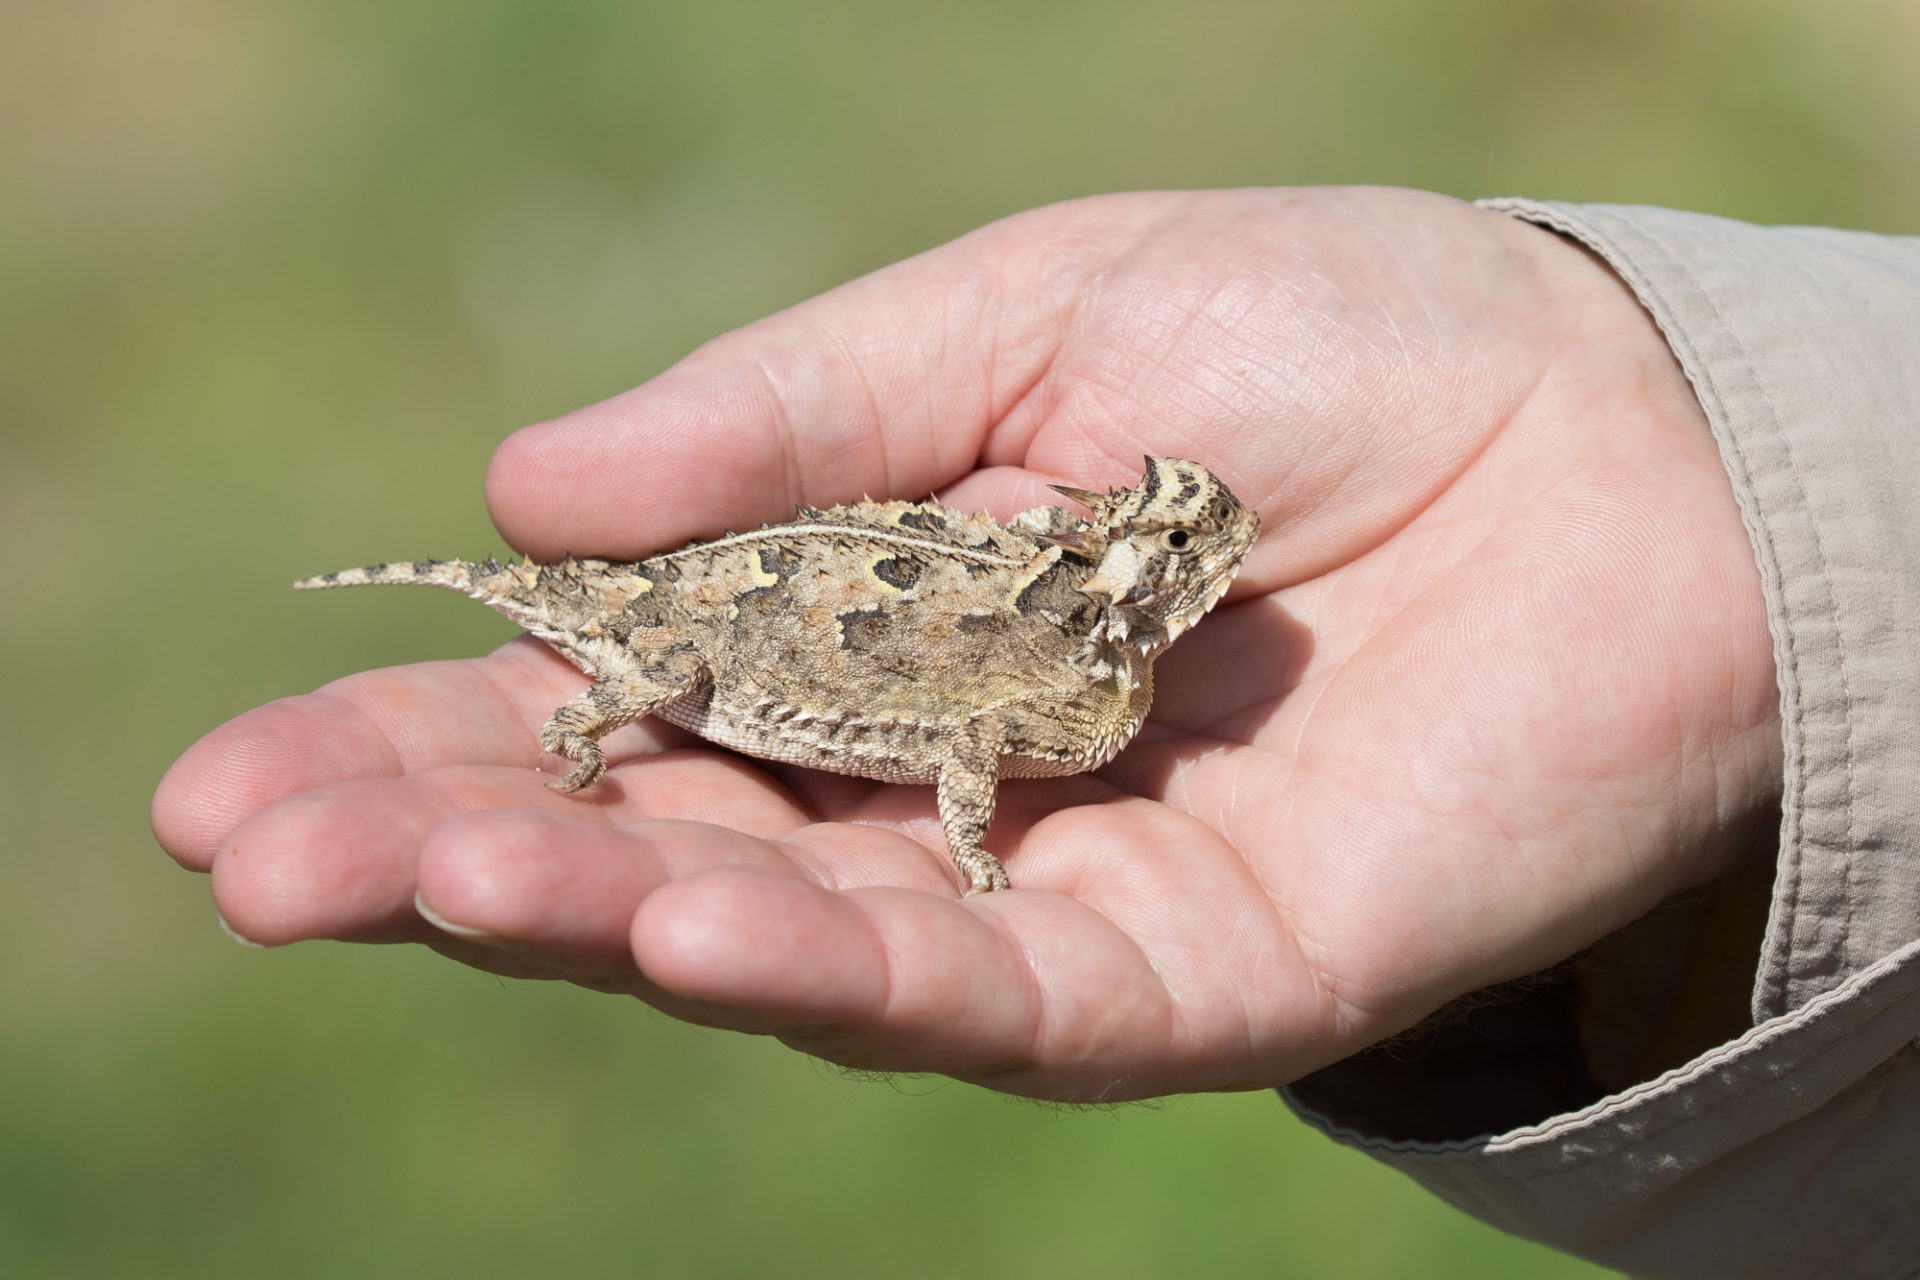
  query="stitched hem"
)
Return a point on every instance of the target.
[{"x": 1881, "y": 1003}]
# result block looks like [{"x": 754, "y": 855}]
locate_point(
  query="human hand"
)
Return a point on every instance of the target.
[{"x": 1495, "y": 681}]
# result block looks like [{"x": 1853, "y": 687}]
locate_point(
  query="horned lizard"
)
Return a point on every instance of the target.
[{"x": 892, "y": 640}]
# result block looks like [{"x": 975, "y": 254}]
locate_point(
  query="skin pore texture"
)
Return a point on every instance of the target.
[{"x": 1495, "y": 681}]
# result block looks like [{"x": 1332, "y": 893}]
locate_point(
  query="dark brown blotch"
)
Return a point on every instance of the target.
[
  {"x": 923, "y": 520},
  {"x": 1149, "y": 488},
  {"x": 898, "y": 572},
  {"x": 647, "y": 609},
  {"x": 862, "y": 629},
  {"x": 1054, "y": 588},
  {"x": 761, "y": 602},
  {"x": 779, "y": 561}
]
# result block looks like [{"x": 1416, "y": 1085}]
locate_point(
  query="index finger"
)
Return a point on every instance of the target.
[{"x": 888, "y": 385}]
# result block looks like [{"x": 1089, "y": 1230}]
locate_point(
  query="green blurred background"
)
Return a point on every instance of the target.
[{"x": 273, "y": 280}]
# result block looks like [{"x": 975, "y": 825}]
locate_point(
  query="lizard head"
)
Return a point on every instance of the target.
[{"x": 1167, "y": 549}]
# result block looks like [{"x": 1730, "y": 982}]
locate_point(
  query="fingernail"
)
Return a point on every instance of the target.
[
  {"x": 465, "y": 932},
  {"x": 236, "y": 935}
]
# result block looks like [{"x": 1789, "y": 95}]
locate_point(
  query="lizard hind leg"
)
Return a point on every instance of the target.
[
  {"x": 616, "y": 698},
  {"x": 968, "y": 791}
]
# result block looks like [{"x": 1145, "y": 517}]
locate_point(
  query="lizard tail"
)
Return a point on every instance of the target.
[
  {"x": 455, "y": 575},
  {"x": 518, "y": 591}
]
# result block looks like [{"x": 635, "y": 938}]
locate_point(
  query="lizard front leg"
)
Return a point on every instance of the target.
[
  {"x": 614, "y": 699},
  {"x": 968, "y": 789}
]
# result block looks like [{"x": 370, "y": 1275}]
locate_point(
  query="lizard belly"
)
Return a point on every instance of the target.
[
  {"x": 886, "y": 750},
  {"x": 895, "y": 749}
]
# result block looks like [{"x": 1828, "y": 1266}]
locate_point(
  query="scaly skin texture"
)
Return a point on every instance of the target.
[
  {"x": 902, "y": 642},
  {"x": 1495, "y": 680}
]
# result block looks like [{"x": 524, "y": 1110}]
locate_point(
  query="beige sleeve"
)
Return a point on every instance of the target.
[{"x": 1792, "y": 1150}]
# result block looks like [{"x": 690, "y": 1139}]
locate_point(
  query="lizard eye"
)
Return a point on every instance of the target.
[{"x": 1174, "y": 539}]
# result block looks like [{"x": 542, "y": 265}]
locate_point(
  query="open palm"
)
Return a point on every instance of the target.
[{"x": 1495, "y": 681}]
